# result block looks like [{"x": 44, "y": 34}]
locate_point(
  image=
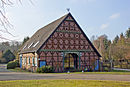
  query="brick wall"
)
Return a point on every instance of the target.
[{"x": 29, "y": 61}]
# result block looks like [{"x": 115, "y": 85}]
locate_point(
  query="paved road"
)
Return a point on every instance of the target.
[
  {"x": 8, "y": 75},
  {"x": 3, "y": 68},
  {"x": 32, "y": 76}
]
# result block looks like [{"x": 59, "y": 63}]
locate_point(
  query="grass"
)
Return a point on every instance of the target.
[
  {"x": 114, "y": 72},
  {"x": 63, "y": 83},
  {"x": 18, "y": 70},
  {"x": 119, "y": 71}
]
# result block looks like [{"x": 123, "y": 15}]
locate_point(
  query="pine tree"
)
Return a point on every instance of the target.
[
  {"x": 8, "y": 55},
  {"x": 116, "y": 39},
  {"x": 128, "y": 33},
  {"x": 25, "y": 40}
]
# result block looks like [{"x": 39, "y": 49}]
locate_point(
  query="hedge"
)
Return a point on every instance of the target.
[
  {"x": 45, "y": 69},
  {"x": 12, "y": 64}
]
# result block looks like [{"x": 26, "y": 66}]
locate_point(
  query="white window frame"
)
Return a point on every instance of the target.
[
  {"x": 25, "y": 60},
  {"x": 35, "y": 44},
  {"x": 24, "y": 47},
  {"x": 30, "y": 45},
  {"x": 35, "y": 61},
  {"x": 28, "y": 60}
]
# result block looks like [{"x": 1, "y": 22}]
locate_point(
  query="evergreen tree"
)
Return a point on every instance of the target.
[
  {"x": 8, "y": 55},
  {"x": 128, "y": 33},
  {"x": 122, "y": 39},
  {"x": 121, "y": 36},
  {"x": 25, "y": 40},
  {"x": 116, "y": 39}
]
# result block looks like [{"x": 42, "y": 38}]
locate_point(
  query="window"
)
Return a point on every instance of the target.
[
  {"x": 32, "y": 61},
  {"x": 24, "y": 47},
  {"x": 35, "y": 43},
  {"x": 30, "y": 45},
  {"x": 28, "y": 60},
  {"x": 25, "y": 60},
  {"x": 35, "y": 61}
]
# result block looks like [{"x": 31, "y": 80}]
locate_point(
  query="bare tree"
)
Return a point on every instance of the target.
[{"x": 4, "y": 21}]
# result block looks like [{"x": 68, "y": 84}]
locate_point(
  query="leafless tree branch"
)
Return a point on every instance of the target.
[{"x": 4, "y": 21}]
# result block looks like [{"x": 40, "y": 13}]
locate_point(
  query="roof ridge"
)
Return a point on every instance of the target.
[
  {"x": 43, "y": 34},
  {"x": 55, "y": 20}
]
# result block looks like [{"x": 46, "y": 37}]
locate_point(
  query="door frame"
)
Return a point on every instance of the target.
[{"x": 75, "y": 60}]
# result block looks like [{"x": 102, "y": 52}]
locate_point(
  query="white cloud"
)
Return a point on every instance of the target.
[
  {"x": 104, "y": 26},
  {"x": 114, "y": 16}
]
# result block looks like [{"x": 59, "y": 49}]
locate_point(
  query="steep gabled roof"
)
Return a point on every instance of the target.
[{"x": 37, "y": 40}]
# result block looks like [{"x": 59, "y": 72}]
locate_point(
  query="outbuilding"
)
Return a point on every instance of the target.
[{"x": 61, "y": 44}]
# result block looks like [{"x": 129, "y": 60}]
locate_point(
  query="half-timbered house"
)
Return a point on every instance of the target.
[{"x": 61, "y": 44}]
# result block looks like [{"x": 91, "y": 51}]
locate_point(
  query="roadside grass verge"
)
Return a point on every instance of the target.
[
  {"x": 119, "y": 71},
  {"x": 114, "y": 72},
  {"x": 63, "y": 83},
  {"x": 19, "y": 70}
]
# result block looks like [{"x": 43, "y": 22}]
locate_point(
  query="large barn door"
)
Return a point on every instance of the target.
[{"x": 70, "y": 62}]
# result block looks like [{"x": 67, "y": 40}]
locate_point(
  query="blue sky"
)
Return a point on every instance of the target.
[{"x": 96, "y": 17}]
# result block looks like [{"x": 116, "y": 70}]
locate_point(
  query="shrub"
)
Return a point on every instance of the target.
[
  {"x": 38, "y": 70},
  {"x": 49, "y": 69},
  {"x": 17, "y": 63},
  {"x": 11, "y": 65},
  {"x": 45, "y": 69}
]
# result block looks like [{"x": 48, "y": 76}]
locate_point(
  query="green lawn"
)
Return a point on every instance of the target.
[{"x": 63, "y": 83}]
